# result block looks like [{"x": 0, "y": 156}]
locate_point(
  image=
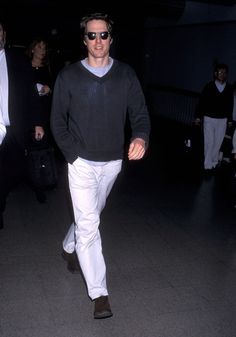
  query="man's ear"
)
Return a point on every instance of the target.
[
  {"x": 85, "y": 43},
  {"x": 111, "y": 40}
]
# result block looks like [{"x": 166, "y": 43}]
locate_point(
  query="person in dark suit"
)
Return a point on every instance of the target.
[{"x": 20, "y": 114}]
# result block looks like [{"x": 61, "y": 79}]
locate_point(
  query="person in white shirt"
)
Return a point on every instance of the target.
[
  {"x": 215, "y": 111},
  {"x": 20, "y": 114}
]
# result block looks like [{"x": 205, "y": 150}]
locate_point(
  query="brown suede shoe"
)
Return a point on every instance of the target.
[
  {"x": 102, "y": 307},
  {"x": 72, "y": 262}
]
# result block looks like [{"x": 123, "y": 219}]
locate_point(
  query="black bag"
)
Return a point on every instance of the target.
[{"x": 41, "y": 165}]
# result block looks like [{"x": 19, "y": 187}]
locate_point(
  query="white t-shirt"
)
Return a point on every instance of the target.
[
  {"x": 4, "y": 117},
  {"x": 2, "y": 128}
]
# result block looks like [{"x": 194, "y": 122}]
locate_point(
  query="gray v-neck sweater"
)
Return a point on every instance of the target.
[{"x": 89, "y": 112}]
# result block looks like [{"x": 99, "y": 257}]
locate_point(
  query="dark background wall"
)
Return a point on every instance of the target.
[
  {"x": 173, "y": 43},
  {"x": 184, "y": 56}
]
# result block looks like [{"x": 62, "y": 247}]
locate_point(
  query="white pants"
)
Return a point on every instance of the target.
[
  {"x": 214, "y": 131},
  {"x": 89, "y": 188}
]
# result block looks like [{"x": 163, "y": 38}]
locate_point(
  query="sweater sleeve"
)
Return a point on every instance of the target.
[
  {"x": 231, "y": 103},
  {"x": 234, "y": 142},
  {"x": 59, "y": 118},
  {"x": 137, "y": 109}
]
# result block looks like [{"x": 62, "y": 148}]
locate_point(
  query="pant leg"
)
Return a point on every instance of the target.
[
  {"x": 219, "y": 134},
  {"x": 69, "y": 240},
  {"x": 12, "y": 166},
  {"x": 208, "y": 133},
  {"x": 89, "y": 188}
]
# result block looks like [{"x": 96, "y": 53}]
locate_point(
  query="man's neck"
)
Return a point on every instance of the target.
[
  {"x": 220, "y": 82},
  {"x": 98, "y": 62}
]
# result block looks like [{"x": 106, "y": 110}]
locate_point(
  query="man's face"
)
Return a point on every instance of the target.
[
  {"x": 221, "y": 75},
  {"x": 2, "y": 37},
  {"x": 99, "y": 46}
]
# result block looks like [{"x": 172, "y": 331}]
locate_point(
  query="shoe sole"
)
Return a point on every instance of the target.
[
  {"x": 103, "y": 315},
  {"x": 73, "y": 271}
]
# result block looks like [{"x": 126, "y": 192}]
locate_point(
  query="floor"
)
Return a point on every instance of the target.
[{"x": 169, "y": 241}]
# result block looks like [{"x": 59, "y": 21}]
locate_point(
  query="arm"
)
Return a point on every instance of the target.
[
  {"x": 37, "y": 117},
  {"x": 37, "y": 113},
  {"x": 139, "y": 120},
  {"x": 231, "y": 105},
  {"x": 234, "y": 144},
  {"x": 60, "y": 118}
]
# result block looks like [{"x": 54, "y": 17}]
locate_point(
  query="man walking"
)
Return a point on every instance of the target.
[{"x": 90, "y": 102}]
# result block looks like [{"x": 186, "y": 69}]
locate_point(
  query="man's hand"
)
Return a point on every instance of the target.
[
  {"x": 136, "y": 149},
  {"x": 39, "y": 132}
]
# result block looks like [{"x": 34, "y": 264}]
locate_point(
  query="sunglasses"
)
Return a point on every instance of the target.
[{"x": 102, "y": 35}]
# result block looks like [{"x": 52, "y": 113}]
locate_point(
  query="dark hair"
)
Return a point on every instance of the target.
[
  {"x": 2, "y": 23},
  {"x": 96, "y": 16},
  {"x": 29, "y": 50},
  {"x": 221, "y": 66},
  {"x": 3, "y": 29}
]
